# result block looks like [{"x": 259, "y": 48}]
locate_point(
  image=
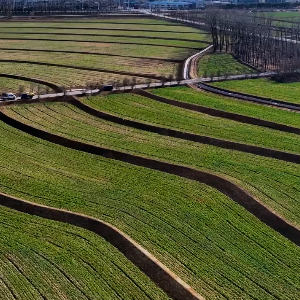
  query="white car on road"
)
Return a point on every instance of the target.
[{"x": 8, "y": 96}]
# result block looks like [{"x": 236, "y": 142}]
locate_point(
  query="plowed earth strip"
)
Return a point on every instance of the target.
[{"x": 225, "y": 186}]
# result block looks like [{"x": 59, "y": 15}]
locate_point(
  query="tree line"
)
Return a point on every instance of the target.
[{"x": 254, "y": 40}]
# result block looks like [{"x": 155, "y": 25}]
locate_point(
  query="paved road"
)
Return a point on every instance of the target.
[{"x": 79, "y": 92}]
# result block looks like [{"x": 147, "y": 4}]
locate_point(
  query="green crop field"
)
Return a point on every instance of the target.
[
  {"x": 230, "y": 105},
  {"x": 264, "y": 88},
  {"x": 164, "y": 115},
  {"x": 208, "y": 240},
  {"x": 205, "y": 238},
  {"x": 152, "y": 46},
  {"x": 62, "y": 76},
  {"x": 220, "y": 64},
  {"x": 41, "y": 259},
  {"x": 281, "y": 15},
  {"x": 13, "y": 85},
  {"x": 65, "y": 120},
  {"x": 137, "y": 65}
]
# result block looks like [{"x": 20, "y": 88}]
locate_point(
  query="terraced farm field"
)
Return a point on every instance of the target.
[
  {"x": 113, "y": 49},
  {"x": 209, "y": 241},
  {"x": 265, "y": 88},
  {"x": 220, "y": 64},
  {"x": 44, "y": 259}
]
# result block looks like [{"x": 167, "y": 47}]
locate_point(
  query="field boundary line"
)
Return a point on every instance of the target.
[
  {"x": 207, "y": 140},
  {"x": 105, "y": 29},
  {"x": 220, "y": 113},
  {"x": 234, "y": 192},
  {"x": 110, "y": 35},
  {"x": 163, "y": 277},
  {"x": 94, "y": 53},
  {"x": 99, "y": 42},
  {"x": 151, "y": 76}
]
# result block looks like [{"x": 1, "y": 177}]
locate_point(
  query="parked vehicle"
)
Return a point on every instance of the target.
[
  {"x": 8, "y": 96},
  {"x": 107, "y": 88},
  {"x": 27, "y": 96}
]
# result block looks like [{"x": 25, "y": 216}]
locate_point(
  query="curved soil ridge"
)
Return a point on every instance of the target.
[
  {"x": 219, "y": 113},
  {"x": 108, "y": 35},
  {"x": 223, "y": 185},
  {"x": 151, "y": 76},
  {"x": 94, "y": 53},
  {"x": 102, "y": 42},
  {"x": 247, "y": 97},
  {"x": 261, "y": 151},
  {"x": 145, "y": 261}
]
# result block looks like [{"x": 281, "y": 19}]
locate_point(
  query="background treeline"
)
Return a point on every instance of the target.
[{"x": 255, "y": 40}]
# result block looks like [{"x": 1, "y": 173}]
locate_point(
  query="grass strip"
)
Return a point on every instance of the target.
[{"x": 220, "y": 64}]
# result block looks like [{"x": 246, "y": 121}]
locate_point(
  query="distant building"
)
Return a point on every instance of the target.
[{"x": 165, "y": 4}]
